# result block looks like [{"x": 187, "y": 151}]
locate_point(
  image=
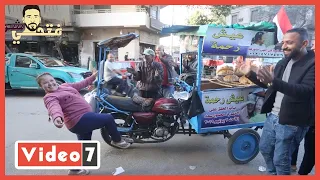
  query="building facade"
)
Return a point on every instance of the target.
[
  {"x": 100, "y": 22},
  {"x": 83, "y": 26},
  {"x": 245, "y": 15}
]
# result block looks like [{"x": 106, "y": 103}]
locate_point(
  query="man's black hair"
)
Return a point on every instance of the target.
[
  {"x": 27, "y": 7},
  {"x": 301, "y": 31}
]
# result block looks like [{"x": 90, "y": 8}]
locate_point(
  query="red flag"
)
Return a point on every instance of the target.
[{"x": 283, "y": 23}]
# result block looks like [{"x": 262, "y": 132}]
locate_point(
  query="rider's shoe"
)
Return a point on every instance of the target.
[
  {"x": 129, "y": 140},
  {"x": 122, "y": 144},
  {"x": 79, "y": 172}
]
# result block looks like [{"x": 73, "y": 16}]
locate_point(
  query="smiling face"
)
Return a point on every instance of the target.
[
  {"x": 48, "y": 83},
  {"x": 261, "y": 40},
  {"x": 259, "y": 105},
  {"x": 32, "y": 19},
  {"x": 292, "y": 45},
  {"x": 110, "y": 57},
  {"x": 159, "y": 51}
]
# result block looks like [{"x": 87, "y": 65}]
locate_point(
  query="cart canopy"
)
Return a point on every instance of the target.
[
  {"x": 253, "y": 40},
  {"x": 202, "y": 29},
  {"x": 118, "y": 42}
]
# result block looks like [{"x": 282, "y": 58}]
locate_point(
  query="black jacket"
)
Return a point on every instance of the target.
[{"x": 298, "y": 104}]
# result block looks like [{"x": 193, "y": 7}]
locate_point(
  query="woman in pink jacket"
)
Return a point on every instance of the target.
[{"x": 67, "y": 107}]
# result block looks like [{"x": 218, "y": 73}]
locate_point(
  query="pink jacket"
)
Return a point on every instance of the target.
[{"x": 66, "y": 102}]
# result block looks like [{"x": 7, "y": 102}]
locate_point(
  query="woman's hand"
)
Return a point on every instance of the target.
[
  {"x": 94, "y": 72},
  {"x": 58, "y": 122}
]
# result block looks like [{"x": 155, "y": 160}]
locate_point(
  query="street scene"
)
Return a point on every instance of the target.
[
  {"x": 194, "y": 90},
  {"x": 183, "y": 155}
]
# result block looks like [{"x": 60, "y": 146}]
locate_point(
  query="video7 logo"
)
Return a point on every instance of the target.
[{"x": 57, "y": 154}]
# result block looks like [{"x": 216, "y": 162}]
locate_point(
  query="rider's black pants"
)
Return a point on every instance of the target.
[{"x": 92, "y": 121}]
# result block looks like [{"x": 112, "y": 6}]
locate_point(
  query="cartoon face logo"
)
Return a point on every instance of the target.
[{"x": 31, "y": 17}]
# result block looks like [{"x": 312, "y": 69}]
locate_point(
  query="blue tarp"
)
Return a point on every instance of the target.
[{"x": 177, "y": 28}]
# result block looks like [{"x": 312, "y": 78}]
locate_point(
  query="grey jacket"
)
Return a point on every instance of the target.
[
  {"x": 149, "y": 77},
  {"x": 168, "y": 61}
]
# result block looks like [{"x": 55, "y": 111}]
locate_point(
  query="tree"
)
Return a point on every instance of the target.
[
  {"x": 217, "y": 14},
  {"x": 199, "y": 18},
  {"x": 300, "y": 16}
]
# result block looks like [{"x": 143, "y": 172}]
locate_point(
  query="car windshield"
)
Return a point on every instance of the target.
[{"x": 50, "y": 61}]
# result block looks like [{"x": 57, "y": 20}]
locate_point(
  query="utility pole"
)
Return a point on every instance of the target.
[{"x": 172, "y": 22}]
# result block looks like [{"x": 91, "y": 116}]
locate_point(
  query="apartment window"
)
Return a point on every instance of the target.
[
  {"x": 255, "y": 16},
  {"x": 102, "y": 7},
  {"x": 234, "y": 19},
  {"x": 76, "y": 9},
  {"x": 154, "y": 12}
]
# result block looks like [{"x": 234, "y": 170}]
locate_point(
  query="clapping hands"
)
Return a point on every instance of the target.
[{"x": 265, "y": 75}]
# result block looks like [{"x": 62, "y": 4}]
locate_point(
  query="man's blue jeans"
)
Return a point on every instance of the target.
[{"x": 277, "y": 143}]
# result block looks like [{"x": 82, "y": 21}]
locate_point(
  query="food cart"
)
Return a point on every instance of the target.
[{"x": 230, "y": 100}]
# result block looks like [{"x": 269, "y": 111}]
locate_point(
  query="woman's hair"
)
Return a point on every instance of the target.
[
  {"x": 39, "y": 78},
  {"x": 257, "y": 37}
]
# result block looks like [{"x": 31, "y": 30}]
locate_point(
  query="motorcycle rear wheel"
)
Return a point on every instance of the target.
[{"x": 105, "y": 133}]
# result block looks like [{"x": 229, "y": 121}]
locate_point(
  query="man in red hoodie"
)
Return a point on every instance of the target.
[{"x": 169, "y": 74}]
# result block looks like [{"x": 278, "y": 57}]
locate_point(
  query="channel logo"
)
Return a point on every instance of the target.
[{"x": 57, "y": 155}]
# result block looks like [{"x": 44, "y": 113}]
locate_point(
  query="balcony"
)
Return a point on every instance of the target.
[
  {"x": 111, "y": 18},
  {"x": 156, "y": 24}
]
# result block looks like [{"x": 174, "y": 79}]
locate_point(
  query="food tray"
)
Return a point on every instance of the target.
[{"x": 229, "y": 84}]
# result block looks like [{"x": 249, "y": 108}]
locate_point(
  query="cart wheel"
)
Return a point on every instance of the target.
[{"x": 243, "y": 146}]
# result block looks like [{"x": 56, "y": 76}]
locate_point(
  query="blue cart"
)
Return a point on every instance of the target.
[
  {"x": 230, "y": 107},
  {"x": 225, "y": 108}
]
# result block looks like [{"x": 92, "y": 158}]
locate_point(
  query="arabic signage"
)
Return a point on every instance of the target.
[
  {"x": 31, "y": 25},
  {"x": 239, "y": 42},
  {"x": 231, "y": 107}
]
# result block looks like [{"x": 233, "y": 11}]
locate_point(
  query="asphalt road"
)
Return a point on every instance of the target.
[{"x": 26, "y": 119}]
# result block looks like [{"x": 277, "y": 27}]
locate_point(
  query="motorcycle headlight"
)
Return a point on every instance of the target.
[{"x": 75, "y": 75}]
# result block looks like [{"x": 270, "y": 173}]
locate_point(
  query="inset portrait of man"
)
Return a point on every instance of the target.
[{"x": 31, "y": 18}]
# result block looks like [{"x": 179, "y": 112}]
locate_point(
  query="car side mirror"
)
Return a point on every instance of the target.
[{"x": 35, "y": 66}]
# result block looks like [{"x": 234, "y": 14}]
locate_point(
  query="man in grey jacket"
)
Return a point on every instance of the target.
[
  {"x": 190, "y": 65},
  {"x": 148, "y": 75}
]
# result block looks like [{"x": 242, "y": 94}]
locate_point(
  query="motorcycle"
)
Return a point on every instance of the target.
[
  {"x": 152, "y": 124},
  {"x": 159, "y": 123}
]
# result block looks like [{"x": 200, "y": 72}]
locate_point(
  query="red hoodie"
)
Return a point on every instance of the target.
[{"x": 165, "y": 81}]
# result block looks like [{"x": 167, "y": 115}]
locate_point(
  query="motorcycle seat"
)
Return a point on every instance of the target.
[{"x": 123, "y": 103}]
